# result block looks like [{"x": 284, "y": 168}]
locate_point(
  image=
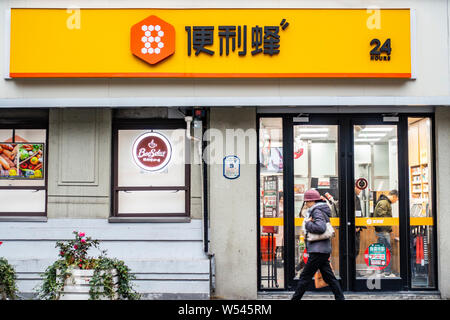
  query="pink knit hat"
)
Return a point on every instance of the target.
[{"x": 311, "y": 195}]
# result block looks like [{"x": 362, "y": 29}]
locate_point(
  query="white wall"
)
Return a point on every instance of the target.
[
  {"x": 232, "y": 207},
  {"x": 442, "y": 133}
]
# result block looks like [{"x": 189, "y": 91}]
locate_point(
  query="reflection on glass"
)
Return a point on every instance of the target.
[
  {"x": 6, "y": 135},
  {"x": 271, "y": 203},
  {"x": 376, "y": 201},
  {"x": 152, "y": 202},
  {"x": 30, "y": 135},
  {"x": 315, "y": 166},
  {"x": 20, "y": 201},
  {"x": 421, "y": 214}
]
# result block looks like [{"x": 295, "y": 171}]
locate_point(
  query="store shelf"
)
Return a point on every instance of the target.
[{"x": 419, "y": 186}]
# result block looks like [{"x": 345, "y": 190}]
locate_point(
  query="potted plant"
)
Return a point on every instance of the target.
[
  {"x": 8, "y": 287},
  {"x": 76, "y": 276}
]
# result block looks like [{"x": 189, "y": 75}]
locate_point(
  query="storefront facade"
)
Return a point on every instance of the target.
[
  {"x": 187, "y": 153},
  {"x": 358, "y": 173}
]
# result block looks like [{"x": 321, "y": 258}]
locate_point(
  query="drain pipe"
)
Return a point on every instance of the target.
[
  {"x": 188, "y": 120},
  {"x": 205, "y": 236}
]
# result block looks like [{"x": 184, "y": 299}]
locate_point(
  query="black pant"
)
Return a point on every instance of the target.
[{"x": 318, "y": 261}]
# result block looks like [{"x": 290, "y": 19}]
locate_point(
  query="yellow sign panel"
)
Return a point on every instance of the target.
[
  {"x": 298, "y": 222},
  {"x": 359, "y": 222},
  {"x": 210, "y": 43}
]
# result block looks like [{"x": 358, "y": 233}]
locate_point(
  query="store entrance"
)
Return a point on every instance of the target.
[{"x": 359, "y": 164}]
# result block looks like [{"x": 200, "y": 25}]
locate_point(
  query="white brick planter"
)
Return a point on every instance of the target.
[{"x": 76, "y": 287}]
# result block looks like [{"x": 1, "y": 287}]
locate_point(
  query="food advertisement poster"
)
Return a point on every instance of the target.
[
  {"x": 377, "y": 256},
  {"x": 22, "y": 160},
  {"x": 270, "y": 196}
]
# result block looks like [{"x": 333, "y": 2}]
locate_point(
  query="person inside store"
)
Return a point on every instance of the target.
[
  {"x": 318, "y": 215},
  {"x": 383, "y": 209}
]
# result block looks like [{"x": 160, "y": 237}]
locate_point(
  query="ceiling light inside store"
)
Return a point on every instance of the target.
[
  {"x": 379, "y": 129},
  {"x": 370, "y": 135},
  {"x": 366, "y": 140},
  {"x": 313, "y": 129},
  {"x": 314, "y": 135}
]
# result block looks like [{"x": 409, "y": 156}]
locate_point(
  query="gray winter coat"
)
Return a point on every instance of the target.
[{"x": 320, "y": 212}]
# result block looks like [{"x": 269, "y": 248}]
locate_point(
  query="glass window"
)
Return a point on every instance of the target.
[
  {"x": 23, "y": 171},
  {"x": 131, "y": 174},
  {"x": 316, "y": 166},
  {"x": 271, "y": 202},
  {"x": 420, "y": 202},
  {"x": 153, "y": 202},
  {"x": 152, "y": 176},
  {"x": 376, "y": 201}
]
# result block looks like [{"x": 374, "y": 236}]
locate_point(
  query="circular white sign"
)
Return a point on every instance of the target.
[{"x": 152, "y": 151}]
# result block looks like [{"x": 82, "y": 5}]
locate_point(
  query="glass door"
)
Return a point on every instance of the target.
[
  {"x": 376, "y": 177},
  {"x": 376, "y": 207},
  {"x": 315, "y": 158},
  {"x": 271, "y": 204}
]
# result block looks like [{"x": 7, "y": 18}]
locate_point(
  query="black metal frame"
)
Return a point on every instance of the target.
[
  {"x": 24, "y": 123},
  {"x": 148, "y": 124},
  {"x": 386, "y": 284},
  {"x": 433, "y": 199},
  {"x": 345, "y": 124}
]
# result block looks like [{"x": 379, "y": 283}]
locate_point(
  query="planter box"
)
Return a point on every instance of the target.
[{"x": 77, "y": 286}]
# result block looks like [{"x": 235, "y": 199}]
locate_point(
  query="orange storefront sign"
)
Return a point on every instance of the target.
[{"x": 211, "y": 43}]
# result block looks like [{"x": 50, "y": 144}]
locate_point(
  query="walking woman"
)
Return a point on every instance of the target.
[{"x": 318, "y": 251}]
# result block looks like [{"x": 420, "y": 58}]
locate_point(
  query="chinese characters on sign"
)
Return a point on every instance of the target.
[{"x": 264, "y": 39}]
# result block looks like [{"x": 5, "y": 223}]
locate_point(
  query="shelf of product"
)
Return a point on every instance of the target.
[{"x": 419, "y": 190}]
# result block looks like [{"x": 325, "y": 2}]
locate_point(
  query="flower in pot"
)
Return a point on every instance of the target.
[
  {"x": 8, "y": 287},
  {"x": 76, "y": 276}
]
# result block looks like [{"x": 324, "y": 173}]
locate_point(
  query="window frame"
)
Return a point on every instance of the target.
[
  {"x": 148, "y": 124},
  {"x": 432, "y": 199},
  {"x": 403, "y": 187},
  {"x": 35, "y": 124}
]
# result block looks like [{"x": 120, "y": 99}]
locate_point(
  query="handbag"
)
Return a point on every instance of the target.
[
  {"x": 328, "y": 234},
  {"x": 318, "y": 280}
]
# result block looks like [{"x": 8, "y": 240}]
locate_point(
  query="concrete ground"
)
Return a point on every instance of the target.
[{"x": 407, "y": 295}]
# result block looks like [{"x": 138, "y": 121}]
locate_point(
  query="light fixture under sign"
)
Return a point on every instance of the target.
[
  {"x": 301, "y": 118},
  {"x": 390, "y": 119}
]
